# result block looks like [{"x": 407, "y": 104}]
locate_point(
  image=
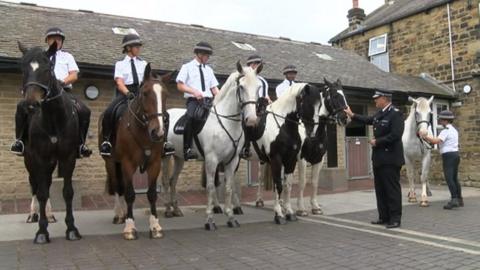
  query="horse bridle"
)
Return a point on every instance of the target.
[
  {"x": 427, "y": 121},
  {"x": 144, "y": 119},
  {"x": 46, "y": 88},
  {"x": 333, "y": 107}
]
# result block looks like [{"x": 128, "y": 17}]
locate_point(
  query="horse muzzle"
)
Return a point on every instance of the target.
[
  {"x": 251, "y": 121},
  {"x": 156, "y": 134}
]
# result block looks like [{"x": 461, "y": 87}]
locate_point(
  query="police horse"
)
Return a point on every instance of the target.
[
  {"x": 219, "y": 141},
  {"x": 415, "y": 149},
  {"x": 313, "y": 147},
  {"x": 52, "y": 136},
  {"x": 138, "y": 144}
]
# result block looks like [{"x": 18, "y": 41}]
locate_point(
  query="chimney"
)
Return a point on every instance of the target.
[{"x": 355, "y": 16}]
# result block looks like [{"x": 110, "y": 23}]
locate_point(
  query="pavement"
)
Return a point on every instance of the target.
[{"x": 342, "y": 238}]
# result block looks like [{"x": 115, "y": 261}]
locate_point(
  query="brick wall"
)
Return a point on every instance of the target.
[{"x": 420, "y": 44}]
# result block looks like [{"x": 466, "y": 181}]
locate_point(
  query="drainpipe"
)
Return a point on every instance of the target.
[{"x": 451, "y": 47}]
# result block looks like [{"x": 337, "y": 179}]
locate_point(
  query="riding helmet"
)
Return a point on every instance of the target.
[
  {"x": 289, "y": 68},
  {"x": 446, "y": 114},
  {"x": 254, "y": 58},
  {"x": 203, "y": 47},
  {"x": 54, "y": 31}
]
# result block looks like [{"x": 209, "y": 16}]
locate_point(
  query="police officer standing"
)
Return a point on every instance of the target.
[
  {"x": 66, "y": 71},
  {"x": 197, "y": 82},
  {"x": 290, "y": 73},
  {"x": 387, "y": 157}
]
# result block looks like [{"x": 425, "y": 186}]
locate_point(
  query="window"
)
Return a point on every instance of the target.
[
  {"x": 244, "y": 46},
  {"x": 118, "y": 30},
  {"x": 377, "y": 52},
  {"x": 324, "y": 56},
  {"x": 438, "y": 106}
]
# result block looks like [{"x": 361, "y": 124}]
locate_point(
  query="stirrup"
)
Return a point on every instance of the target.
[
  {"x": 84, "y": 151},
  {"x": 14, "y": 148},
  {"x": 168, "y": 149},
  {"x": 106, "y": 152}
]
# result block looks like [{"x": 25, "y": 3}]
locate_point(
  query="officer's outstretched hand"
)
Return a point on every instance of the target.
[{"x": 348, "y": 112}]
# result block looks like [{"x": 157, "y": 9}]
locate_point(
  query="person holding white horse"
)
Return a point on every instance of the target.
[
  {"x": 387, "y": 157},
  {"x": 448, "y": 142},
  {"x": 255, "y": 61},
  {"x": 198, "y": 83},
  {"x": 290, "y": 73}
]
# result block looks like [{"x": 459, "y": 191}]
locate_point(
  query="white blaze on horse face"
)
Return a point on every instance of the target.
[
  {"x": 34, "y": 65},
  {"x": 250, "y": 84},
  {"x": 323, "y": 109},
  {"x": 423, "y": 114},
  {"x": 157, "y": 88}
]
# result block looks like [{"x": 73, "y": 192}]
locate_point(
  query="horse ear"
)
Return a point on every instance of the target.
[
  {"x": 259, "y": 69},
  {"x": 430, "y": 100},
  {"x": 147, "y": 73},
  {"x": 165, "y": 78},
  {"x": 339, "y": 83},
  {"x": 52, "y": 50},
  {"x": 411, "y": 99},
  {"x": 239, "y": 67},
  {"x": 326, "y": 81},
  {"x": 22, "y": 47}
]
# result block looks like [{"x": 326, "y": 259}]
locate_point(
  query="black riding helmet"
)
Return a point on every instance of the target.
[
  {"x": 203, "y": 47},
  {"x": 255, "y": 58},
  {"x": 289, "y": 68},
  {"x": 446, "y": 114},
  {"x": 54, "y": 31},
  {"x": 131, "y": 40}
]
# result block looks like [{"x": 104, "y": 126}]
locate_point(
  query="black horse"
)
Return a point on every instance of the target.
[{"x": 52, "y": 135}]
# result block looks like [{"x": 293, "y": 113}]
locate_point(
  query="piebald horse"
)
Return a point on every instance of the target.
[
  {"x": 138, "y": 145},
  {"x": 415, "y": 149},
  {"x": 221, "y": 140}
]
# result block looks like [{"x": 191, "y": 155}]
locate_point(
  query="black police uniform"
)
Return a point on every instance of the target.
[{"x": 387, "y": 159}]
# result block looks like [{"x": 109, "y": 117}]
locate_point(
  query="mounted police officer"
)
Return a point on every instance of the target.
[
  {"x": 128, "y": 77},
  {"x": 198, "y": 83},
  {"x": 387, "y": 157},
  {"x": 290, "y": 73},
  {"x": 66, "y": 71},
  {"x": 256, "y": 62}
]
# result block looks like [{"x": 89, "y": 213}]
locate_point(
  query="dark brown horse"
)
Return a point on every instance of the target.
[
  {"x": 138, "y": 144},
  {"x": 52, "y": 135}
]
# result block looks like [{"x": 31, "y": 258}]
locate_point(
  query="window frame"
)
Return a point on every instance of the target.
[{"x": 370, "y": 53}]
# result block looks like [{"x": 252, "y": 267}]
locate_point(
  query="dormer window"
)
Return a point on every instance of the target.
[
  {"x": 377, "y": 52},
  {"x": 244, "y": 46}
]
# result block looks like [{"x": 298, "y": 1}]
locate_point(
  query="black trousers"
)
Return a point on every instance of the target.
[
  {"x": 83, "y": 116},
  {"x": 108, "y": 121},
  {"x": 388, "y": 192},
  {"x": 451, "y": 160},
  {"x": 192, "y": 104}
]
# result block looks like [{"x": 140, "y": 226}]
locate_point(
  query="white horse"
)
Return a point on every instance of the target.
[
  {"x": 221, "y": 139},
  {"x": 280, "y": 144},
  {"x": 415, "y": 149}
]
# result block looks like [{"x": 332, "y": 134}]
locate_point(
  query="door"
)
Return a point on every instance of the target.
[{"x": 357, "y": 147}]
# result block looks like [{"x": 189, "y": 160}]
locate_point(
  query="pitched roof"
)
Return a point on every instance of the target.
[
  {"x": 390, "y": 12},
  {"x": 89, "y": 37}
]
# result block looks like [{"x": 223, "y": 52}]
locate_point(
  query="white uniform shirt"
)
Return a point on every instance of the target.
[
  {"x": 263, "y": 83},
  {"x": 190, "y": 75},
  {"x": 123, "y": 69},
  {"x": 282, "y": 87},
  {"x": 64, "y": 63},
  {"x": 449, "y": 138}
]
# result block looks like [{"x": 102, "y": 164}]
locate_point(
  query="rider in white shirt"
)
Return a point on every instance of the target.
[{"x": 290, "y": 73}]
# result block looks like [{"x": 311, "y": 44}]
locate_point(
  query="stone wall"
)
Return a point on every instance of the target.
[{"x": 420, "y": 44}]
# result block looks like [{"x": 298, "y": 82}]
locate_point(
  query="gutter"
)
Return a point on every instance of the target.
[{"x": 452, "y": 66}]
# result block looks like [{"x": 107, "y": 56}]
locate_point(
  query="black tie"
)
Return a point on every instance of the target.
[
  {"x": 134, "y": 72},
  {"x": 290, "y": 83},
  {"x": 202, "y": 77}
]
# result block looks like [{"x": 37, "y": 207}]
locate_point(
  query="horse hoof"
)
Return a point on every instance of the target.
[
  {"x": 412, "y": 199},
  {"x": 156, "y": 234},
  {"x": 169, "y": 214},
  {"x": 291, "y": 217},
  {"x": 233, "y": 224},
  {"x": 429, "y": 193},
  {"x": 259, "y": 203},
  {"x": 424, "y": 204},
  {"x": 41, "y": 238},
  {"x": 238, "y": 210},
  {"x": 217, "y": 210},
  {"x": 73, "y": 235},
  {"x": 33, "y": 218},
  {"x": 178, "y": 213},
  {"x": 118, "y": 220},
  {"x": 317, "y": 211},
  {"x": 302, "y": 213},
  {"x": 280, "y": 220},
  {"x": 52, "y": 219},
  {"x": 210, "y": 226},
  {"x": 130, "y": 235}
]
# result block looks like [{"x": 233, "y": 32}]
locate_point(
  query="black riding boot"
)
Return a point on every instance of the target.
[
  {"x": 21, "y": 124},
  {"x": 168, "y": 148},
  {"x": 84, "y": 123},
  {"x": 188, "y": 152},
  {"x": 106, "y": 146}
]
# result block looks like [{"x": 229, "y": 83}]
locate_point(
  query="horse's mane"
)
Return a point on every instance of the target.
[
  {"x": 250, "y": 77},
  {"x": 284, "y": 102},
  {"x": 423, "y": 104}
]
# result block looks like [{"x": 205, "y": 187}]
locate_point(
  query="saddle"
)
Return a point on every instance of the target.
[{"x": 200, "y": 116}]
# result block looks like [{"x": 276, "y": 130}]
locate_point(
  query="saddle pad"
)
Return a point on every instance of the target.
[{"x": 197, "y": 125}]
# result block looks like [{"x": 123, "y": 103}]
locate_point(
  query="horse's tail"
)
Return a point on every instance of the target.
[
  {"x": 267, "y": 177},
  {"x": 204, "y": 176}
]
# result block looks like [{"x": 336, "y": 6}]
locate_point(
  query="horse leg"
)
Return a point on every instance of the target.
[
  {"x": 166, "y": 186},
  {"x": 42, "y": 235},
  {"x": 72, "y": 232},
  {"x": 237, "y": 209},
  {"x": 51, "y": 218},
  {"x": 119, "y": 210},
  {"x": 130, "y": 231},
  {"x": 426, "y": 161},
  {"x": 179, "y": 162},
  {"x": 301, "y": 210},
  {"x": 217, "y": 209},
  {"x": 276, "y": 167},
  {"x": 289, "y": 213},
  {"x": 33, "y": 216},
  {"x": 316, "y": 209},
  {"x": 261, "y": 180},
  {"x": 155, "y": 228},
  {"x": 412, "y": 197},
  {"x": 229, "y": 182},
  {"x": 210, "y": 175}
]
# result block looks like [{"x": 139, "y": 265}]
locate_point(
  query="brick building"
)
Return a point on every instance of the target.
[
  {"x": 94, "y": 39},
  {"x": 440, "y": 38}
]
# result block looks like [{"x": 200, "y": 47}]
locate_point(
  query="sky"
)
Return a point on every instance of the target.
[{"x": 304, "y": 20}]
